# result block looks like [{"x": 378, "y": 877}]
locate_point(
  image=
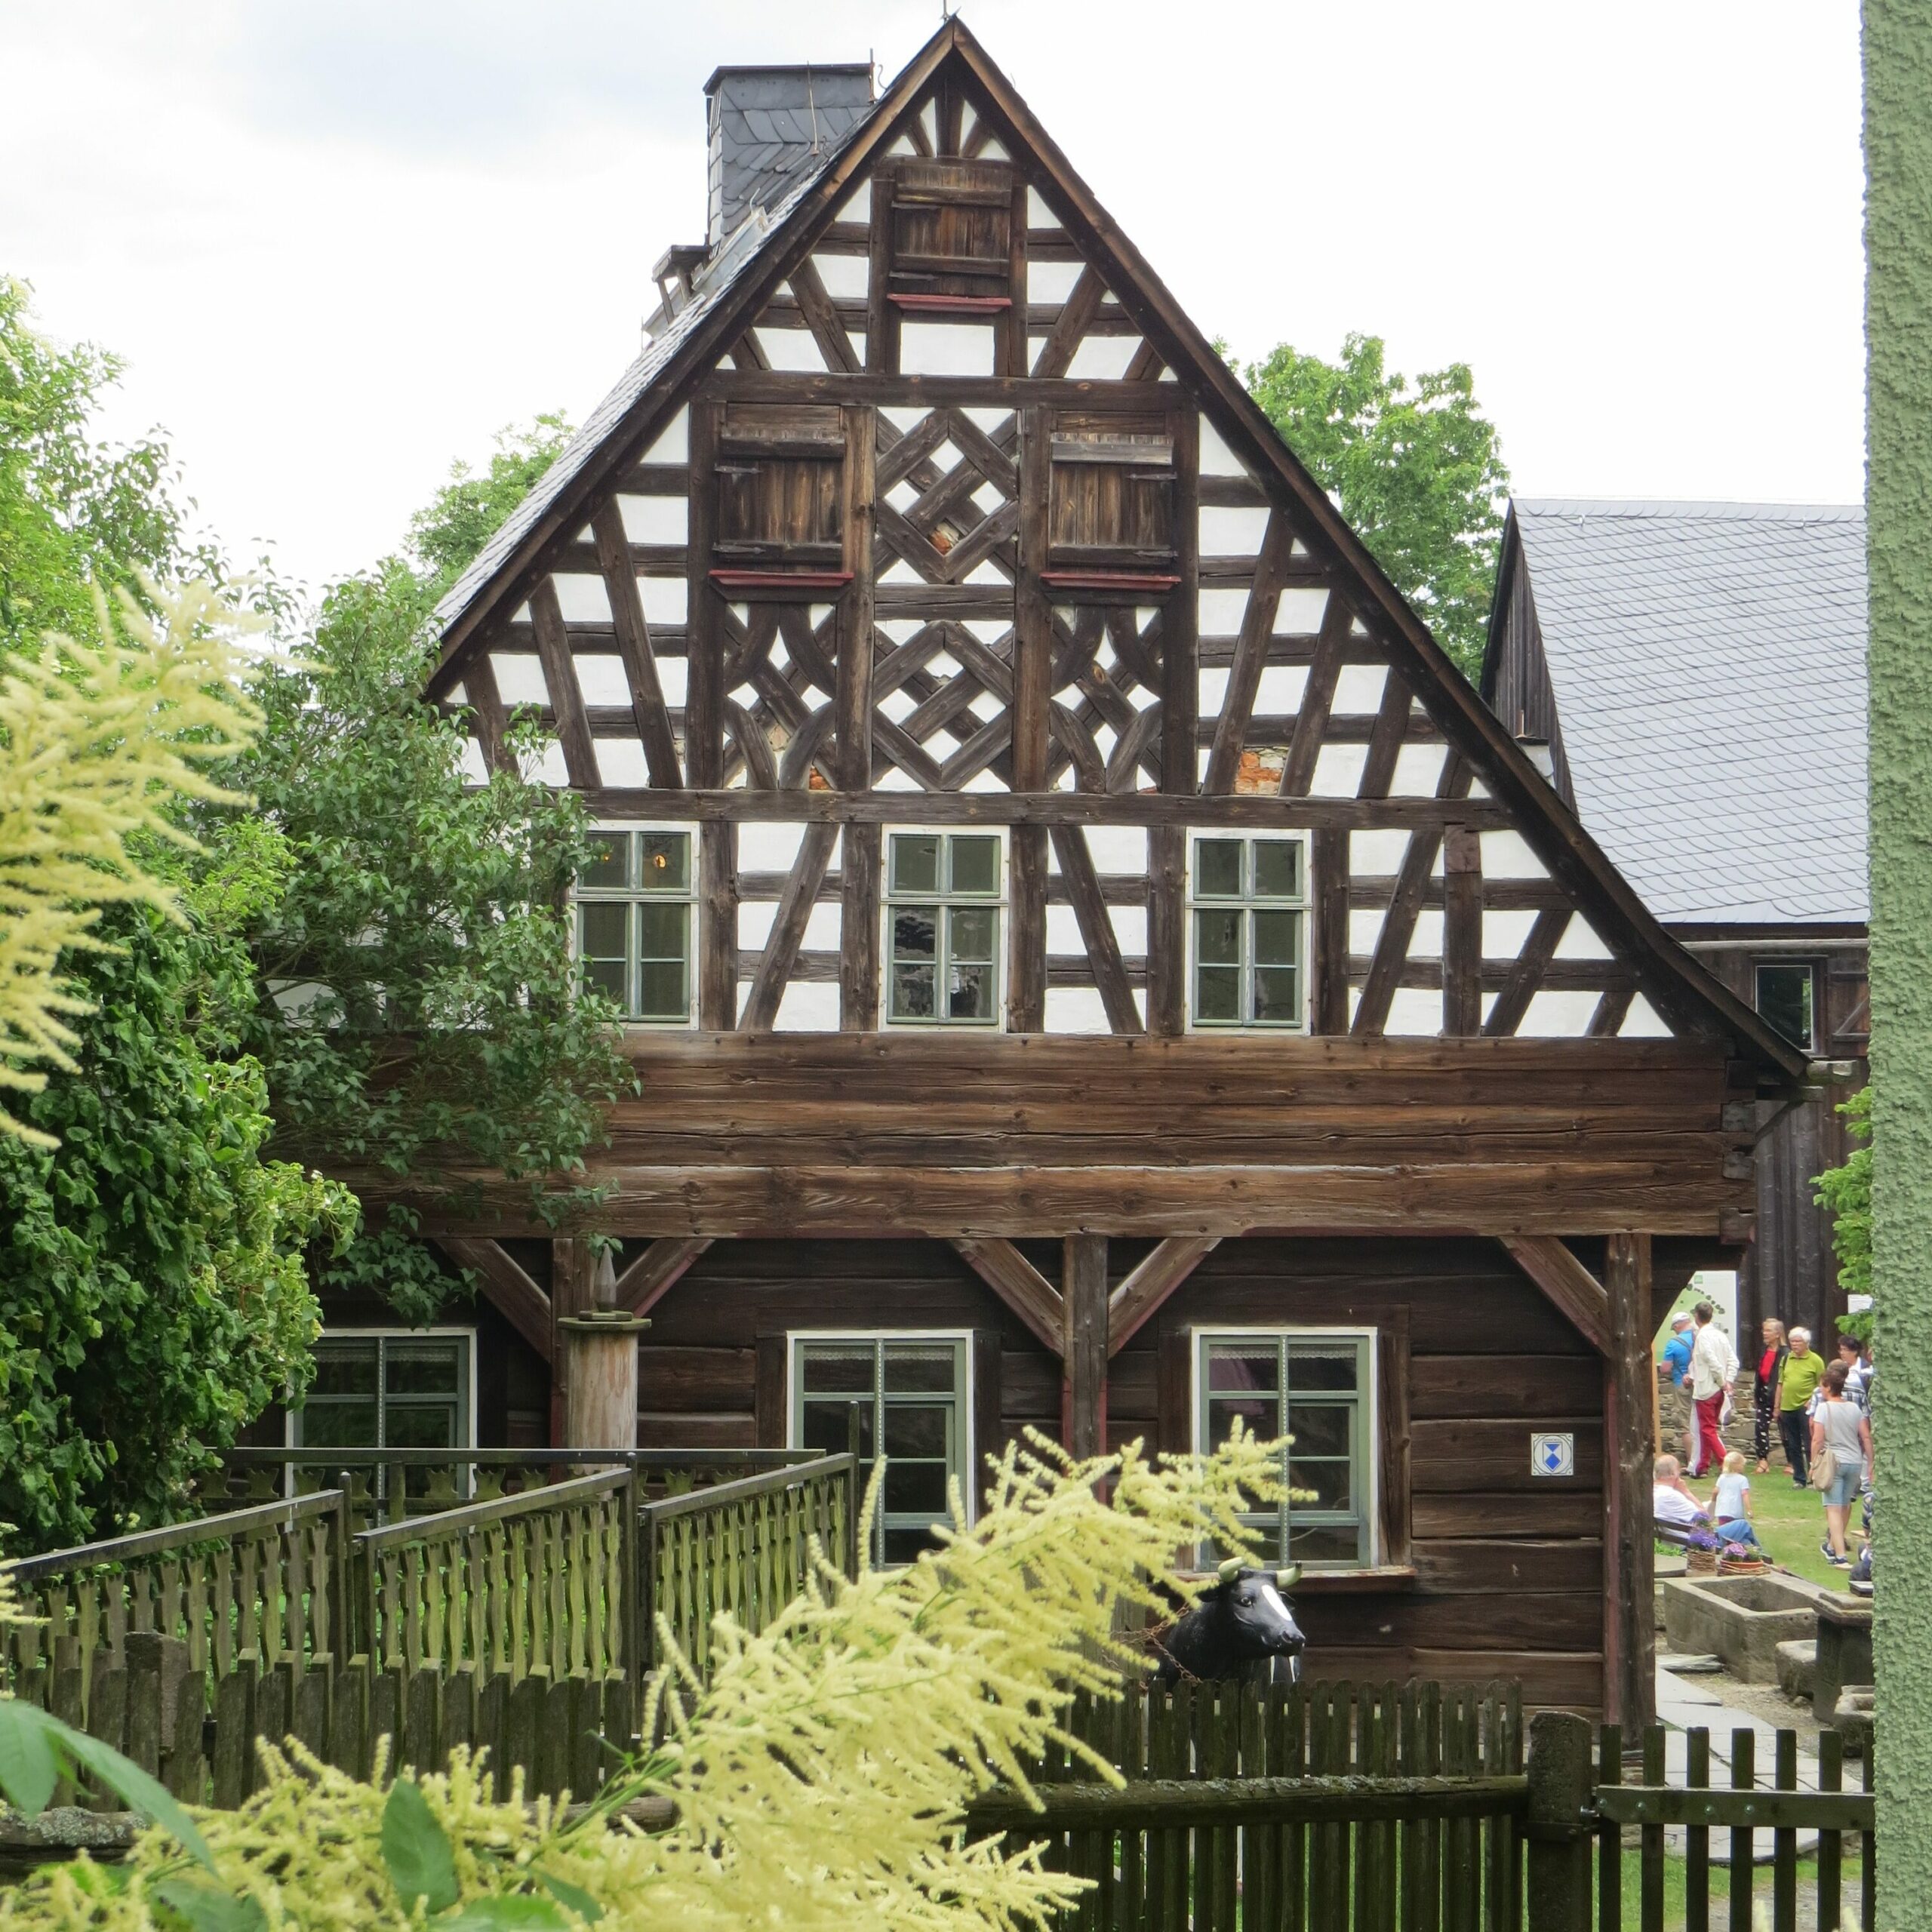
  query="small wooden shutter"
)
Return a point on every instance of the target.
[
  {"x": 951, "y": 235},
  {"x": 780, "y": 470},
  {"x": 1112, "y": 503}
]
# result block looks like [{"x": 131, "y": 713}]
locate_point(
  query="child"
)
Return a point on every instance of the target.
[{"x": 1730, "y": 1505}]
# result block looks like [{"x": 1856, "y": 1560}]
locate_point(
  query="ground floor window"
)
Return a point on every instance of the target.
[
  {"x": 903, "y": 1395},
  {"x": 376, "y": 1390},
  {"x": 1315, "y": 1386}
]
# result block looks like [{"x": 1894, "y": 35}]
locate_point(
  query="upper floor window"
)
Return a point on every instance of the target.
[
  {"x": 1315, "y": 1386},
  {"x": 1112, "y": 502},
  {"x": 780, "y": 497},
  {"x": 950, "y": 235},
  {"x": 1249, "y": 930},
  {"x": 1786, "y": 991},
  {"x": 904, "y": 1397},
  {"x": 942, "y": 897},
  {"x": 634, "y": 922}
]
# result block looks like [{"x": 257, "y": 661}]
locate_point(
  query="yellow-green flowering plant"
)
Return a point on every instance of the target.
[{"x": 819, "y": 1782}]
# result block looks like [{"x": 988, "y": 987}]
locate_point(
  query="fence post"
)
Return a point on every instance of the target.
[
  {"x": 630, "y": 1621},
  {"x": 342, "y": 1619},
  {"x": 1559, "y": 1853},
  {"x": 646, "y": 1595}
]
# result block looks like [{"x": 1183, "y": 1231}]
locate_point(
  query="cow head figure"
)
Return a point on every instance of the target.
[{"x": 1242, "y": 1620}]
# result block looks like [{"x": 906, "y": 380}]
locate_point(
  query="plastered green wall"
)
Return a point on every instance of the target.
[{"x": 1898, "y": 149}]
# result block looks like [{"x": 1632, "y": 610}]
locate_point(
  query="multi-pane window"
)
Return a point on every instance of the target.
[
  {"x": 1312, "y": 1386},
  {"x": 941, "y": 911},
  {"x": 634, "y": 920},
  {"x": 387, "y": 1391},
  {"x": 1785, "y": 995},
  {"x": 1250, "y": 898},
  {"x": 905, "y": 1396}
]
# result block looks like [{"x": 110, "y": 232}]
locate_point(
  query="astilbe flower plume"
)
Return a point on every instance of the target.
[{"x": 821, "y": 1779}]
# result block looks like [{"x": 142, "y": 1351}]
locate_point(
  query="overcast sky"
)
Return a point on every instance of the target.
[{"x": 340, "y": 242}]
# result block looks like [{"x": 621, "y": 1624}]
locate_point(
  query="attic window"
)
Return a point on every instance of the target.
[
  {"x": 780, "y": 472},
  {"x": 1111, "y": 513},
  {"x": 950, "y": 240}
]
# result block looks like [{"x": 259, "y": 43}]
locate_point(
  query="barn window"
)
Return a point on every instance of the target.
[
  {"x": 903, "y": 1396},
  {"x": 780, "y": 471},
  {"x": 1315, "y": 1386},
  {"x": 1786, "y": 999},
  {"x": 1248, "y": 931},
  {"x": 376, "y": 1390},
  {"x": 1111, "y": 510},
  {"x": 634, "y": 924},
  {"x": 943, "y": 898},
  {"x": 950, "y": 244}
]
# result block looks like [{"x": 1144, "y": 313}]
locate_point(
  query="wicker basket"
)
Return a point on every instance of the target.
[{"x": 1700, "y": 1562}]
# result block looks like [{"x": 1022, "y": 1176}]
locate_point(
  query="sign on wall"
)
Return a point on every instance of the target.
[{"x": 1553, "y": 1455}]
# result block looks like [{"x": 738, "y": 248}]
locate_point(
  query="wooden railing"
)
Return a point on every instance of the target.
[
  {"x": 743, "y": 1549},
  {"x": 541, "y": 1581},
  {"x": 264, "y": 1585}
]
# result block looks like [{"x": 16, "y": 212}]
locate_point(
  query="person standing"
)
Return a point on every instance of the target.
[
  {"x": 1797, "y": 1382},
  {"x": 1842, "y": 1426},
  {"x": 1771, "y": 1359},
  {"x": 1852, "y": 1357},
  {"x": 1713, "y": 1370}
]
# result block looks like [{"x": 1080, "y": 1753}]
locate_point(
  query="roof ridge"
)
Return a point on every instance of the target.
[{"x": 1688, "y": 507}]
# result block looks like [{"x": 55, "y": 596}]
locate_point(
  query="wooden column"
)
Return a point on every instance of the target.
[
  {"x": 1630, "y": 1633},
  {"x": 1083, "y": 1358},
  {"x": 1032, "y": 693},
  {"x": 570, "y": 1295},
  {"x": 599, "y": 1348}
]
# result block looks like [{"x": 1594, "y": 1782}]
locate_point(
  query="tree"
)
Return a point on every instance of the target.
[
  {"x": 1416, "y": 469},
  {"x": 416, "y": 1009},
  {"x": 1847, "y": 1192}
]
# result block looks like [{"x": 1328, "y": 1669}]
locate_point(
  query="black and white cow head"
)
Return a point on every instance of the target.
[{"x": 1243, "y": 1620}]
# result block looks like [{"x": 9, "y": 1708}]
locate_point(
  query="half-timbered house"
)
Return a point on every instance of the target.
[
  {"x": 1090, "y": 961},
  {"x": 1694, "y": 676}
]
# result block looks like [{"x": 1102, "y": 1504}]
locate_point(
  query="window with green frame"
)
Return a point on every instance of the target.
[
  {"x": 942, "y": 893},
  {"x": 387, "y": 1391},
  {"x": 634, "y": 918},
  {"x": 905, "y": 1394},
  {"x": 1314, "y": 1386},
  {"x": 1250, "y": 898}
]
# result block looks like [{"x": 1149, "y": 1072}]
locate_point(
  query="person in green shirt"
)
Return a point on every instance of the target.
[{"x": 1797, "y": 1382}]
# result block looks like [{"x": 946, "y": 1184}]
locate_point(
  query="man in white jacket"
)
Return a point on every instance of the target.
[{"x": 1713, "y": 1370}]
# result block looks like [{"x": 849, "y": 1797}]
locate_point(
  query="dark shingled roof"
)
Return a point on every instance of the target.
[
  {"x": 1708, "y": 664},
  {"x": 769, "y": 126}
]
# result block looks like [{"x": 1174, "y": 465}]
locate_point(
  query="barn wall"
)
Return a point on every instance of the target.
[{"x": 1509, "y": 1577}]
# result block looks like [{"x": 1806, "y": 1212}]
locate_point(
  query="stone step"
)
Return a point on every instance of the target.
[{"x": 1798, "y": 1668}]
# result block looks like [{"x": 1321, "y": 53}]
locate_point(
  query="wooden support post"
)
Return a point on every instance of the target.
[
  {"x": 1629, "y": 1582},
  {"x": 1083, "y": 1359},
  {"x": 1559, "y": 1847},
  {"x": 598, "y": 1350}
]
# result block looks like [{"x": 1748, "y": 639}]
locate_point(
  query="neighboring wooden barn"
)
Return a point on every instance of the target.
[
  {"x": 1093, "y": 963},
  {"x": 1698, "y": 673}
]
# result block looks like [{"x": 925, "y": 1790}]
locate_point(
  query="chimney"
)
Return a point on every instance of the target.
[{"x": 769, "y": 126}]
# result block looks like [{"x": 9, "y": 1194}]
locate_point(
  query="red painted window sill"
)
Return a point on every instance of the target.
[
  {"x": 730, "y": 579},
  {"x": 951, "y": 305},
  {"x": 1109, "y": 580}
]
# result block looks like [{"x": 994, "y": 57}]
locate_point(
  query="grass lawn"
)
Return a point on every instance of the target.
[
  {"x": 1676, "y": 1888},
  {"x": 1790, "y": 1524}
]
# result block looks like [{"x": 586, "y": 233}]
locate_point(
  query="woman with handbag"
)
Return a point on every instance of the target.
[{"x": 1840, "y": 1460}]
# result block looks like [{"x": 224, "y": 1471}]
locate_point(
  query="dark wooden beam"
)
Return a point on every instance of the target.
[
  {"x": 505, "y": 1286},
  {"x": 485, "y": 702},
  {"x": 788, "y": 929},
  {"x": 1257, "y": 626},
  {"x": 1076, "y": 315},
  {"x": 1527, "y": 975},
  {"x": 704, "y": 676},
  {"x": 633, "y": 636},
  {"x": 1629, "y": 1555},
  {"x": 1338, "y": 618},
  {"x": 1097, "y": 928},
  {"x": 828, "y": 330},
  {"x": 718, "y": 926},
  {"x": 1462, "y": 931},
  {"x": 1030, "y": 748},
  {"x": 1020, "y": 1284},
  {"x": 1083, "y": 1352},
  {"x": 1141, "y": 1296},
  {"x": 560, "y": 675},
  {"x": 858, "y": 928},
  {"x": 1569, "y": 1287},
  {"x": 646, "y": 1281},
  {"x": 1328, "y": 992},
  {"x": 1385, "y": 742}
]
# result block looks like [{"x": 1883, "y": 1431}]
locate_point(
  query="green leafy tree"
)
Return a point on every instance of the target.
[
  {"x": 1847, "y": 1192},
  {"x": 1415, "y": 467},
  {"x": 417, "y": 1014},
  {"x": 76, "y": 515}
]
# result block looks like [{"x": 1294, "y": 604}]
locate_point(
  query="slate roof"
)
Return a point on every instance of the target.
[
  {"x": 762, "y": 139},
  {"x": 1708, "y": 665}
]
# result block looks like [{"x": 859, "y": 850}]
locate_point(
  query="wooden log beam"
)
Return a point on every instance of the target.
[
  {"x": 553, "y": 650},
  {"x": 633, "y": 635},
  {"x": 1630, "y": 1646},
  {"x": 1140, "y": 1298},
  {"x": 506, "y": 1287},
  {"x": 1083, "y": 1352},
  {"x": 1020, "y": 1284},
  {"x": 1097, "y": 929},
  {"x": 788, "y": 929},
  {"x": 646, "y": 1281},
  {"x": 1571, "y": 1288}
]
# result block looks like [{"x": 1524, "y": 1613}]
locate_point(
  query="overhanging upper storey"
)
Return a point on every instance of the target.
[{"x": 946, "y": 639}]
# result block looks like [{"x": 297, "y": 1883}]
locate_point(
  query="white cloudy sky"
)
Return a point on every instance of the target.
[{"x": 341, "y": 242}]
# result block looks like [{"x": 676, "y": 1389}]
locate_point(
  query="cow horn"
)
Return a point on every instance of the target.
[
  {"x": 1230, "y": 1569},
  {"x": 1286, "y": 1580}
]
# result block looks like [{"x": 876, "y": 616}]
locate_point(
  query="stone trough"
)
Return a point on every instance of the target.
[{"x": 1741, "y": 1620}]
